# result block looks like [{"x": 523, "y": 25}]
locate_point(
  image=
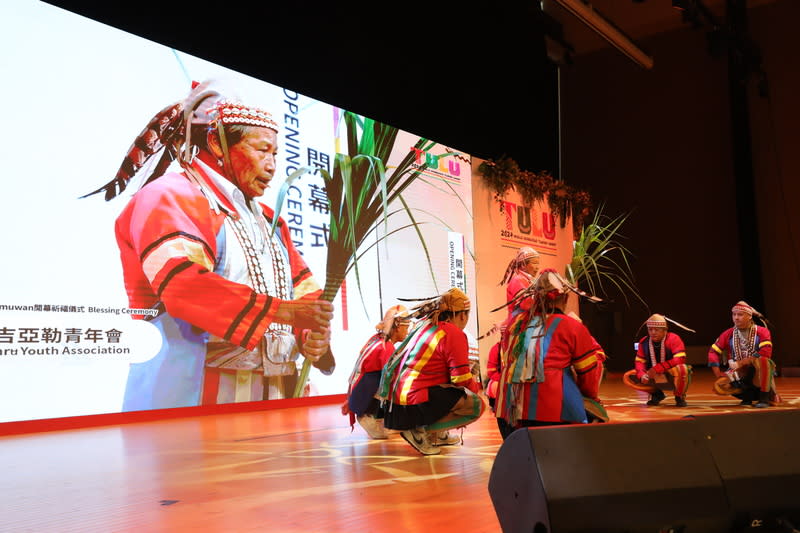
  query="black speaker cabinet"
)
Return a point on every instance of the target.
[
  {"x": 622, "y": 478},
  {"x": 758, "y": 457}
]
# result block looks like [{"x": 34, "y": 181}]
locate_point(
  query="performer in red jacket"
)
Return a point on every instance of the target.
[
  {"x": 660, "y": 364},
  {"x": 427, "y": 385},
  {"x": 361, "y": 403},
  {"x": 551, "y": 363},
  {"x": 494, "y": 368},
  {"x": 741, "y": 359}
]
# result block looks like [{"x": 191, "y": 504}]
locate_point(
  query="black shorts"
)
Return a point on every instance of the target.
[{"x": 441, "y": 401}]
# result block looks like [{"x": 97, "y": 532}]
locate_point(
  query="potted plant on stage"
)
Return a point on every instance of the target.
[
  {"x": 600, "y": 260},
  {"x": 601, "y": 265}
]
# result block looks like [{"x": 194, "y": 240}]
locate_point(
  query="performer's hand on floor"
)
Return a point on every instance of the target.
[{"x": 717, "y": 371}]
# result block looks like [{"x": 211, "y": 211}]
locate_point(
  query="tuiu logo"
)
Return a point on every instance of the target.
[
  {"x": 528, "y": 221},
  {"x": 446, "y": 165}
]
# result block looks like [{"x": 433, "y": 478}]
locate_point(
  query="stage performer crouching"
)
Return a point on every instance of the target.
[
  {"x": 361, "y": 403},
  {"x": 427, "y": 387},
  {"x": 552, "y": 366},
  {"x": 749, "y": 373},
  {"x": 660, "y": 363}
]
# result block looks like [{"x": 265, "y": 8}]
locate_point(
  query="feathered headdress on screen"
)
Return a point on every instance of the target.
[
  {"x": 164, "y": 133},
  {"x": 168, "y": 134}
]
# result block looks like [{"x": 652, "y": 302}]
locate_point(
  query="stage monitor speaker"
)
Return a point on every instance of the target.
[
  {"x": 622, "y": 478},
  {"x": 757, "y": 454}
]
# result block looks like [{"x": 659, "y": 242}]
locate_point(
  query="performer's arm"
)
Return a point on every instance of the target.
[
  {"x": 588, "y": 362},
  {"x": 764, "y": 348},
  {"x": 493, "y": 363},
  {"x": 314, "y": 342},
  {"x": 640, "y": 362},
  {"x": 388, "y": 350},
  {"x": 458, "y": 360},
  {"x": 716, "y": 352},
  {"x": 171, "y": 239},
  {"x": 493, "y": 369}
]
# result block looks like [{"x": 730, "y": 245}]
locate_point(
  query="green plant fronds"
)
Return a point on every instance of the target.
[
  {"x": 282, "y": 192},
  {"x": 441, "y": 223},
  {"x": 359, "y": 193},
  {"x": 452, "y": 191},
  {"x": 499, "y": 175},
  {"x": 600, "y": 260},
  {"x": 422, "y": 241},
  {"x": 564, "y": 200}
]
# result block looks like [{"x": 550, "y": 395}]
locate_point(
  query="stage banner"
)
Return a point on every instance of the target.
[
  {"x": 77, "y": 94},
  {"x": 502, "y": 227},
  {"x": 427, "y": 242}
]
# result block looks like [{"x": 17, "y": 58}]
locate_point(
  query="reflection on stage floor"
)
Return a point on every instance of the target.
[{"x": 287, "y": 470}]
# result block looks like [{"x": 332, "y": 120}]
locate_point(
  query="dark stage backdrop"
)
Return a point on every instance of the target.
[
  {"x": 659, "y": 143},
  {"x": 474, "y": 76}
]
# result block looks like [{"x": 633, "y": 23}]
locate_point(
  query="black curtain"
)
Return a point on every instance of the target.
[{"x": 475, "y": 78}]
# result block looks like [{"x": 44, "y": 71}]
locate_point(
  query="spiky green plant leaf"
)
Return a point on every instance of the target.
[
  {"x": 359, "y": 192},
  {"x": 600, "y": 260}
]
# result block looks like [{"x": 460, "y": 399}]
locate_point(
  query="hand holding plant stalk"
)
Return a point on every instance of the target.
[{"x": 359, "y": 192}]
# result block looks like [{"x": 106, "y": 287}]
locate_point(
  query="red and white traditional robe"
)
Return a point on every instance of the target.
[{"x": 172, "y": 248}]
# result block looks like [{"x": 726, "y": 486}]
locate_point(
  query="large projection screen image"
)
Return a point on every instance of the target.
[{"x": 160, "y": 290}]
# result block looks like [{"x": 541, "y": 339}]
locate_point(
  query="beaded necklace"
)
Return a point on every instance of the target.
[
  {"x": 254, "y": 268},
  {"x": 269, "y": 250},
  {"x": 743, "y": 346},
  {"x": 662, "y": 351}
]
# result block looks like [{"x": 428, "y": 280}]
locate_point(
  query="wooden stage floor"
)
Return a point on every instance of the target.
[{"x": 288, "y": 470}]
